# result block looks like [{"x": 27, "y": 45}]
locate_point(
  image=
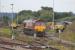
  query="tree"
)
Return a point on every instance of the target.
[
  {"x": 46, "y": 13},
  {"x": 24, "y": 14},
  {"x": 6, "y": 20}
]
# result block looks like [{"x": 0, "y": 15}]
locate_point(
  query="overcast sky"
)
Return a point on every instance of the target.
[{"x": 59, "y": 5}]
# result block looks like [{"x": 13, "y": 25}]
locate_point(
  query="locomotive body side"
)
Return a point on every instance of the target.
[
  {"x": 31, "y": 27},
  {"x": 28, "y": 28}
]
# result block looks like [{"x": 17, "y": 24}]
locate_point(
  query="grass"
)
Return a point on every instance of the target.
[
  {"x": 60, "y": 46},
  {"x": 51, "y": 31},
  {"x": 69, "y": 33},
  {"x": 24, "y": 38},
  {"x": 6, "y": 32},
  {"x": 70, "y": 36}
]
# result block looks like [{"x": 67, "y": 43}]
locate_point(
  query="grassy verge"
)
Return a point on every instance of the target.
[
  {"x": 5, "y": 32},
  {"x": 69, "y": 33}
]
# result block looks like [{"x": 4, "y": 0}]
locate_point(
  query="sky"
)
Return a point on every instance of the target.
[{"x": 35, "y": 5}]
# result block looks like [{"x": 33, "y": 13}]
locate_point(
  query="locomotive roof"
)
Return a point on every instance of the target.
[{"x": 30, "y": 20}]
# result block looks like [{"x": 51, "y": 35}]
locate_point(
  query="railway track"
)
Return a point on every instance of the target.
[
  {"x": 5, "y": 48},
  {"x": 12, "y": 45},
  {"x": 61, "y": 41}
]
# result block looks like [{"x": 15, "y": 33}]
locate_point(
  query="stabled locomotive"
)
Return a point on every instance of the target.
[
  {"x": 40, "y": 28},
  {"x": 34, "y": 26}
]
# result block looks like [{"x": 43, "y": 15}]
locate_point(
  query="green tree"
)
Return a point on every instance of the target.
[
  {"x": 59, "y": 15},
  {"x": 24, "y": 14},
  {"x": 6, "y": 20},
  {"x": 46, "y": 13}
]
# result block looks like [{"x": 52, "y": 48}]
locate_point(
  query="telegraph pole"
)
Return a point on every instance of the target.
[
  {"x": 13, "y": 36},
  {"x": 17, "y": 19},
  {"x": 53, "y": 16},
  {"x": 0, "y": 8},
  {"x": 12, "y": 12}
]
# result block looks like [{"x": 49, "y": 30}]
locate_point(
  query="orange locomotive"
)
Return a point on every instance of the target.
[{"x": 34, "y": 26}]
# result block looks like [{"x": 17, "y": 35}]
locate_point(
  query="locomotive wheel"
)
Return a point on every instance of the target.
[
  {"x": 40, "y": 34},
  {"x": 31, "y": 32},
  {"x": 28, "y": 31}
]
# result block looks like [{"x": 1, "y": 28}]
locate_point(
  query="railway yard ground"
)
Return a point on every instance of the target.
[{"x": 25, "y": 42}]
